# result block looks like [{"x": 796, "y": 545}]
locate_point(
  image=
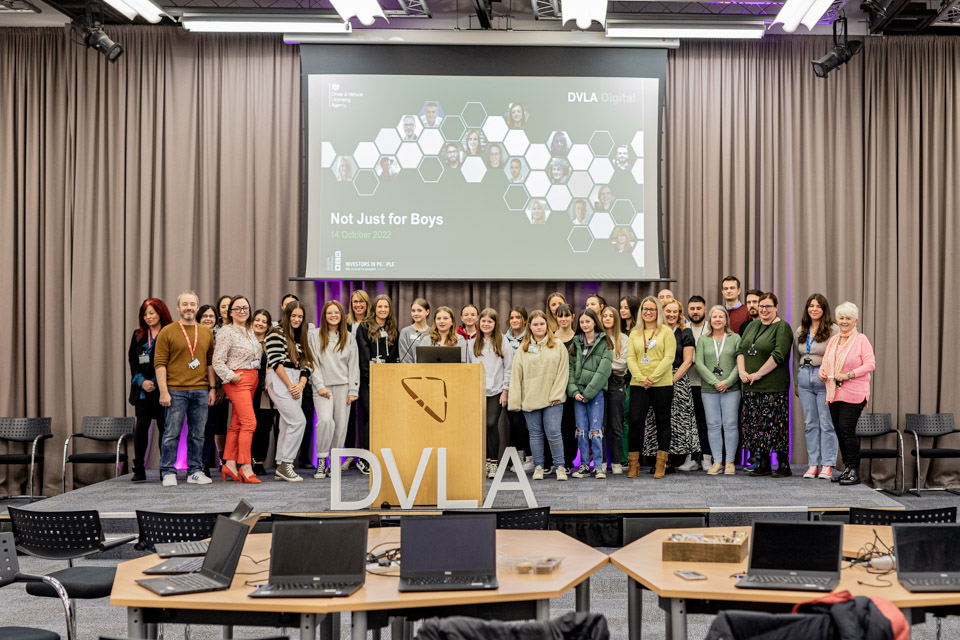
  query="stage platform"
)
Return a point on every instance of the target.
[{"x": 693, "y": 492}]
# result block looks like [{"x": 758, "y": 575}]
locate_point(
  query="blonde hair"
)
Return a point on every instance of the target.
[
  {"x": 551, "y": 319},
  {"x": 451, "y": 339},
  {"x": 358, "y": 293},
  {"x": 681, "y": 321},
  {"x": 496, "y": 338},
  {"x": 613, "y": 334},
  {"x": 528, "y": 336},
  {"x": 641, "y": 323}
]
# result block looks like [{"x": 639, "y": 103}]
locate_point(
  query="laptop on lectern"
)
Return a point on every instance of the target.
[
  {"x": 794, "y": 556},
  {"x": 430, "y": 355},
  {"x": 448, "y": 553},
  {"x": 928, "y": 556}
]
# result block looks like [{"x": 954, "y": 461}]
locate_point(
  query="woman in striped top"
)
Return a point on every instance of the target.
[{"x": 290, "y": 363}]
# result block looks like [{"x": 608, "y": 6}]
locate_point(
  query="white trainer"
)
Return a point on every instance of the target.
[
  {"x": 491, "y": 469},
  {"x": 689, "y": 464},
  {"x": 198, "y": 477},
  {"x": 538, "y": 473},
  {"x": 528, "y": 464},
  {"x": 170, "y": 480},
  {"x": 616, "y": 469},
  {"x": 561, "y": 473}
]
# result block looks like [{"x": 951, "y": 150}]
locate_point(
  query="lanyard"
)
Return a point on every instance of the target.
[
  {"x": 645, "y": 341},
  {"x": 720, "y": 350},
  {"x": 810, "y": 337},
  {"x": 760, "y": 333},
  {"x": 196, "y": 336},
  {"x": 150, "y": 339}
]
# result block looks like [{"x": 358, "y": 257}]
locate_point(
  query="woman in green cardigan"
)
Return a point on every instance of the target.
[{"x": 763, "y": 361}]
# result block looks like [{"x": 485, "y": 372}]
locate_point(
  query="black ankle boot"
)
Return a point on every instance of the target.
[
  {"x": 139, "y": 473},
  {"x": 783, "y": 467},
  {"x": 763, "y": 469},
  {"x": 837, "y": 477},
  {"x": 258, "y": 469},
  {"x": 851, "y": 478}
]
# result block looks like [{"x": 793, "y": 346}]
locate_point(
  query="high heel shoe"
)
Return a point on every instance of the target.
[
  {"x": 251, "y": 479},
  {"x": 225, "y": 471}
]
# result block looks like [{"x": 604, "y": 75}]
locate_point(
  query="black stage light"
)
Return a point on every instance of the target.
[
  {"x": 91, "y": 33},
  {"x": 843, "y": 50}
]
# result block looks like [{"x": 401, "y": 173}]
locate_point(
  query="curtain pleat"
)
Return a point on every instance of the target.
[{"x": 178, "y": 167}]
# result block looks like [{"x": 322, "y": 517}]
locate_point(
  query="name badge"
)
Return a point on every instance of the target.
[
  {"x": 255, "y": 364},
  {"x": 533, "y": 349},
  {"x": 194, "y": 363},
  {"x": 752, "y": 351},
  {"x": 644, "y": 360},
  {"x": 651, "y": 344},
  {"x": 717, "y": 371},
  {"x": 144, "y": 358}
]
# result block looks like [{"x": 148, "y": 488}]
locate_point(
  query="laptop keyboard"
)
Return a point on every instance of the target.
[
  {"x": 931, "y": 582},
  {"x": 193, "y": 581},
  {"x": 192, "y": 565},
  {"x": 312, "y": 586},
  {"x": 423, "y": 582},
  {"x": 789, "y": 580},
  {"x": 191, "y": 546}
]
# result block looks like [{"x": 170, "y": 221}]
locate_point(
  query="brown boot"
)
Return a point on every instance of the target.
[
  {"x": 661, "y": 469},
  {"x": 633, "y": 464}
]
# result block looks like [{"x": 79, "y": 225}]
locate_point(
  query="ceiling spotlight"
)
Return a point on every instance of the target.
[
  {"x": 90, "y": 31},
  {"x": 841, "y": 53}
]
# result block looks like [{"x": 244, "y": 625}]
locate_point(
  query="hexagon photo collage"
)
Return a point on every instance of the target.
[{"x": 546, "y": 178}]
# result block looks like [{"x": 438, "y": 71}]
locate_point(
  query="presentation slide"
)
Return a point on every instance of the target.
[{"x": 482, "y": 177}]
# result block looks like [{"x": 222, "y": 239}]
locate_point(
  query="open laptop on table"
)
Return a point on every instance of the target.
[
  {"x": 448, "y": 553},
  {"x": 187, "y": 548},
  {"x": 428, "y": 355},
  {"x": 219, "y": 564},
  {"x": 316, "y": 559},
  {"x": 794, "y": 556},
  {"x": 928, "y": 556}
]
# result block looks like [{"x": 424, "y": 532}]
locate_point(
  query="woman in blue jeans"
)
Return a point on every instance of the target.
[
  {"x": 591, "y": 360},
  {"x": 815, "y": 330},
  {"x": 538, "y": 385},
  {"x": 716, "y": 362}
]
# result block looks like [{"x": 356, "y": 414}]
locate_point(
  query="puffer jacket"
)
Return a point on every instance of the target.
[
  {"x": 589, "y": 376},
  {"x": 570, "y": 626}
]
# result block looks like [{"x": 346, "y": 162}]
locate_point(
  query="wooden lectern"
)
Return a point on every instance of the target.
[{"x": 415, "y": 406}]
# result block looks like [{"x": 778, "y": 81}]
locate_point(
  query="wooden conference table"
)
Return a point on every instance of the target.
[
  {"x": 379, "y": 594},
  {"x": 642, "y": 562}
]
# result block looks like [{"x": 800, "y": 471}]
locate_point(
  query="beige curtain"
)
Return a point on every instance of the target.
[
  {"x": 175, "y": 168},
  {"x": 179, "y": 167}
]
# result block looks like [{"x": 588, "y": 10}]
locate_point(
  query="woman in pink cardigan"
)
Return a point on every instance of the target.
[{"x": 846, "y": 369}]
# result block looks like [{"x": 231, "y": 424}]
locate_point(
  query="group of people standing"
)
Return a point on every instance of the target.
[{"x": 695, "y": 385}]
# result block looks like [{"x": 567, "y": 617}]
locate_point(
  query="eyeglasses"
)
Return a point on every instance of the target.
[
  {"x": 766, "y": 306},
  {"x": 242, "y": 309}
]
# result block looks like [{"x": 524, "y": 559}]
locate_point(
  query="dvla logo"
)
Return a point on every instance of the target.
[{"x": 430, "y": 393}]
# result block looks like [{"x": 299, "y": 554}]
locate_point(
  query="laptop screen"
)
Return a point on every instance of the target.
[
  {"x": 796, "y": 546},
  {"x": 319, "y": 548},
  {"x": 925, "y": 548},
  {"x": 458, "y": 544},
  {"x": 426, "y": 355},
  {"x": 225, "y": 547},
  {"x": 242, "y": 510}
]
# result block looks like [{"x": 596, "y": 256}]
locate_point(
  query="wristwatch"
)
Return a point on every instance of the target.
[{"x": 850, "y": 374}]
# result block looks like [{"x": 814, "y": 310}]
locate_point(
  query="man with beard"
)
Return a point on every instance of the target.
[
  {"x": 696, "y": 313},
  {"x": 622, "y": 158},
  {"x": 452, "y": 152},
  {"x": 753, "y": 307},
  {"x": 187, "y": 383}
]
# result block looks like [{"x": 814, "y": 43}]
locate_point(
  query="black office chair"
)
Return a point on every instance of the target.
[
  {"x": 536, "y": 519},
  {"x": 885, "y": 517},
  {"x": 158, "y": 527},
  {"x": 569, "y": 625},
  {"x": 66, "y": 535},
  {"x": 32, "y": 430},
  {"x": 935, "y": 426},
  {"x": 10, "y": 573},
  {"x": 103, "y": 430},
  {"x": 875, "y": 425}
]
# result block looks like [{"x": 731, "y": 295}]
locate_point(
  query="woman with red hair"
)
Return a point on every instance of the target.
[{"x": 144, "y": 394}]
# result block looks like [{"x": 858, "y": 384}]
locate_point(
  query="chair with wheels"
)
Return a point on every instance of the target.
[
  {"x": 886, "y": 517},
  {"x": 66, "y": 535},
  {"x": 875, "y": 425},
  {"x": 27, "y": 430},
  {"x": 10, "y": 573},
  {"x": 935, "y": 426},
  {"x": 102, "y": 429},
  {"x": 158, "y": 527}
]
